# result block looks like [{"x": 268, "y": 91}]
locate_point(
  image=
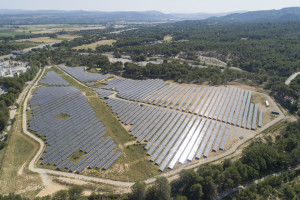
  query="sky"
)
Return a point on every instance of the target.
[{"x": 166, "y": 6}]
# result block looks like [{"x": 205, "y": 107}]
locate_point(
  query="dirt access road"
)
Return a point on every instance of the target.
[{"x": 291, "y": 77}]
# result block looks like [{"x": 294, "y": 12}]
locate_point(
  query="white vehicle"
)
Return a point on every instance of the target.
[{"x": 267, "y": 104}]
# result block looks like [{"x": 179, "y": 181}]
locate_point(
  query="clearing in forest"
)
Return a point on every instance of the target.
[{"x": 95, "y": 44}]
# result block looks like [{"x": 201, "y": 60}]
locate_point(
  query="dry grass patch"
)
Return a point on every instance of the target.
[
  {"x": 67, "y": 36},
  {"x": 62, "y": 116},
  {"x": 39, "y": 39},
  {"x": 54, "y": 28},
  {"x": 48, "y": 40},
  {"x": 95, "y": 44},
  {"x": 168, "y": 38},
  {"x": 14, "y": 174}
]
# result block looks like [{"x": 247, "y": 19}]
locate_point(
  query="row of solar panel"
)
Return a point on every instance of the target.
[
  {"x": 134, "y": 90},
  {"x": 52, "y": 78},
  {"x": 172, "y": 136},
  {"x": 209, "y": 104},
  {"x": 90, "y": 84},
  {"x": 102, "y": 93},
  {"x": 81, "y": 75},
  {"x": 234, "y": 110},
  {"x": 69, "y": 124},
  {"x": 229, "y": 105}
]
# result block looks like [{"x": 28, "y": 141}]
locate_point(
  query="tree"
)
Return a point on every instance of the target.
[
  {"x": 138, "y": 191},
  {"x": 227, "y": 163},
  {"x": 163, "y": 188},
  {"x": 184, "y": 183},
  {"x": 61, "y": 195},
  {"x": 196, "y": 192},
  {"x": 75, "y": 192},
  {"x": 180, "y": 198},
  {"x": 95, "y": 196},
  {"x": 117, "y": 54},
  {"x": 151, "y": 193},
  {"x": 209, "y": 188},
  {"x": 118, "y": 66}
]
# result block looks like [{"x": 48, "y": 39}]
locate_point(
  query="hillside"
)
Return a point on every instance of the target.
[
  {"x": 18, "y": 17},
  {"x": 282, "y": 15}
]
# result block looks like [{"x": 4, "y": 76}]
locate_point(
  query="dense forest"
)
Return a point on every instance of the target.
[{"x": 7, "y": 48}]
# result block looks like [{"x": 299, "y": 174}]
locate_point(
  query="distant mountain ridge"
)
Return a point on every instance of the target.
[
  {"x": 19, "y": 17},
  {"x": 199, "y": 16},
  {"x": 76, "y": 16},
  {"x": 282, "y": 15},
  {"x": 80, "y": 16}
]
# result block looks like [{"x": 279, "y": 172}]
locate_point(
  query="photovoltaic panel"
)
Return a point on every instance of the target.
[
  {"x": 260, "y": 118},
  {"x": 223, "y": 142}
]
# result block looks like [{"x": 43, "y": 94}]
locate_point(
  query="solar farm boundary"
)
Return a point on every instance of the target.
[{"x": 121, "y": 183}]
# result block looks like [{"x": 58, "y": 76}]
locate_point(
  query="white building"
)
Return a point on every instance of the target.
[{"x": 11, "y": 68}]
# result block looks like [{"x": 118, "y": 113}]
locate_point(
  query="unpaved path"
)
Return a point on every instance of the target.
[
  {"x": 291, "y": 77},
  {"x": 20, "y": 171},
  {"x": 51, "y": 189}
]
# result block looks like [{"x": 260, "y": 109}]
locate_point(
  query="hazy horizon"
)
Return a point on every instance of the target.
[{"x": 167, "y": 6}]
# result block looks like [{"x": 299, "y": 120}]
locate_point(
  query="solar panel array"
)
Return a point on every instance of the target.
[
  {"x": 134, "y": 90},
  {"x": 52, "y": 78},
  {"x": 172, "y": 137},
  {"x": 229, "y": 105},
  {"x": 102, "y": 93},
  {"x": 79, "y": 130},
  {"x": 90, "y": 84},
  {"x": 81, "y": 75}
]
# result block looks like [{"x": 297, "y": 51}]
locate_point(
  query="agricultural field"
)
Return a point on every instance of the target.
[
  {"x": 49, "y": 28},
  {"x": 95, "y": 44},
  {"x": 48, "y": 40},
  {"x": 5, "y": 32}
]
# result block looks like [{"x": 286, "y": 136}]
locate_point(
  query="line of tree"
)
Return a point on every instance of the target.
[
  {"x": 7, "y": 47},
  {"x": 285, "y": 186},
  {"x": 27, "y": 36},
  {"x": 15, "y": 86}
]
